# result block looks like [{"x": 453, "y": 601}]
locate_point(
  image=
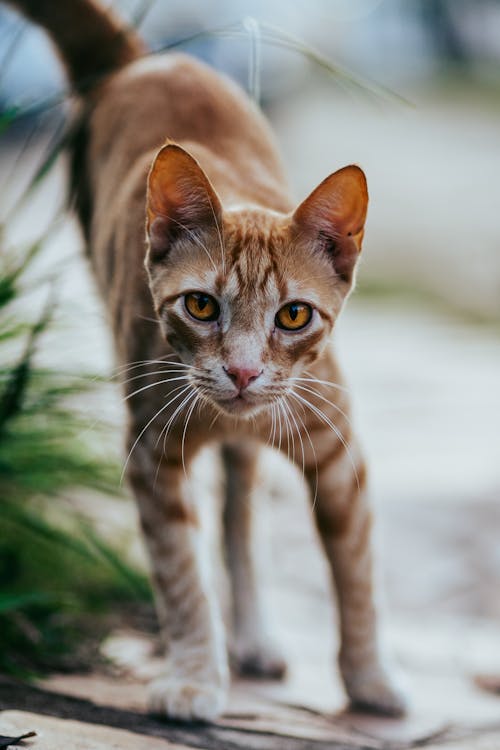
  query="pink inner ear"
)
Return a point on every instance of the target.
[
  {"x": 338, "y": 206},
  {"x": 179, "y": 190}
]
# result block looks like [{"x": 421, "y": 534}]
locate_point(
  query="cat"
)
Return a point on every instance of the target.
[{"x": 189, "y": 222}]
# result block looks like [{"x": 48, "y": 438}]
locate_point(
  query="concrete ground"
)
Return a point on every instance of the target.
[
  {"x": 427, "y": 404},
  {"x": 425, "y": 391}
]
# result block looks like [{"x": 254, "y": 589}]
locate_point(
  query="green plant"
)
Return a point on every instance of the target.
[{"x": 58, "y": 579}]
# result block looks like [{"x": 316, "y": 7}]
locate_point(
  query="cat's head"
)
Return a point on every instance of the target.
[{"x": 248, "y": 297}]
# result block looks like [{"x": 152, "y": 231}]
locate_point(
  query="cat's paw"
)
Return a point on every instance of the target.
[
  {"x": 186, "y": 700},
  {"x": 374, "y": 691},
  {"x": 263, "y": 661}
]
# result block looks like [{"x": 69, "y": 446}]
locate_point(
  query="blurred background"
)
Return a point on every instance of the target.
[{"x": 408, "y": 89}]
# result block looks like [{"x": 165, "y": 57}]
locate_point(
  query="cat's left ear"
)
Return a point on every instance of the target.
[
  {"x": 180, "y": 200},
  {"x": 334, "y": 217}
]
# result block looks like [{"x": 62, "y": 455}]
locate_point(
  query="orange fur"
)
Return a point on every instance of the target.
[{"x": 220, "y": 224}]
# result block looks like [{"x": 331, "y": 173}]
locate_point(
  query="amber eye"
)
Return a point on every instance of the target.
[
  {"x": 202, "y": 306},
  {"x": 293, "y": 316}
]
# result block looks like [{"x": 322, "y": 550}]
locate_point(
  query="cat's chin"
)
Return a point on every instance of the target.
[{"x": 239, "y": 407}]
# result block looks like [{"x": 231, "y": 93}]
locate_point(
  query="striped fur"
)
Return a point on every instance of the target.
[{"x": 219, "y": 220}]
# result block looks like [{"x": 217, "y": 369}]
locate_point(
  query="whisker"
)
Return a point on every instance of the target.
[
  {"x": 166, "y": 427},
  {"x": 319, "y": 413},
  {"x": 153, "y": 385},
  {"x": 292, "y": 417},
  {"x": 288, "y": 431},
  {"x": 313, "y": 392},
  {"x": 326, "y": 420},
  {"x": 214, "y": 420},
  {"x": 275, "y": 425},
  {"x": 201, "y": 400},
  {"x": 149, "y": 320},
  {"x": 193, "y": 236},
  {"x": 121, "y": 369},
  {"x": 222, "y": 249},
  {"x": 278, "y": 412},
  {"x": 140, "y": 363},
  {"x": 157, "y": 414},
  {"x": 203, "y": 380},
  {"x": 329, "y": 383},
  {"x": 315, "y": 497},
  {"x": 285, "y": 419},
  {"x": 272, "y": 429},
  {"x": 151, "y": 375},
  {"x": 188, "y": 417}
]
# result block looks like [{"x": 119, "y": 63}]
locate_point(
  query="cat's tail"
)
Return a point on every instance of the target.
[{"x": 91, "y": 41}]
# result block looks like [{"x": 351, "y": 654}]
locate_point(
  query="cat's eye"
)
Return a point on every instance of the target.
[
  {"x": 202, "y": 306},
  {"x": 293, "y": 316}
]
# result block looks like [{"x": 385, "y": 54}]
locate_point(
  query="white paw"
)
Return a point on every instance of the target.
[
  {"x": 186, "y": 700},
  {"x": 262, "y": 660},
  {"x": 371, "y": 689}
]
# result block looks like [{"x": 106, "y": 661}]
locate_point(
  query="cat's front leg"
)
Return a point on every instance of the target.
[
  {"x": 253, "y": 651},
  {"x": 343, "y": 518},
  {"x": 195, "y": 681}
]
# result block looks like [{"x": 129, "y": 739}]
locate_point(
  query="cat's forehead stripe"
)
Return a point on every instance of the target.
[{"x": 254, "y": 261}]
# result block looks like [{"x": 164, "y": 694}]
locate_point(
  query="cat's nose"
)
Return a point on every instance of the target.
[{"x": 242, "y": 376}]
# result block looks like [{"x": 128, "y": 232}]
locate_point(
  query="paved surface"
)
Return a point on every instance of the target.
[
  {"x": 427, "y": 403},
  {"x": 427, "y": 406}
]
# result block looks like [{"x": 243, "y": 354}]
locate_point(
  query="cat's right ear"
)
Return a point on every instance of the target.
[
  {"x": 180, "y": 200},
  {"x": 333, "y": 217}
]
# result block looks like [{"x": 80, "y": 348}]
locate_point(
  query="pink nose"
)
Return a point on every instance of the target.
[{"x": 242, "y": 376}]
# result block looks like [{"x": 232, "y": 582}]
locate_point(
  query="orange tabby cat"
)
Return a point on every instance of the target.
[{"x": 246, "y": 289}]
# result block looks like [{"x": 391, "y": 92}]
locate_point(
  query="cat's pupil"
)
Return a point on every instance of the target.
[
  {"x": 293, "y": 311},
  {"x": 202, "y": 301}
]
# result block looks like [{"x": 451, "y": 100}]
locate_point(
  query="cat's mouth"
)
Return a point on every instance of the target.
[
  {"x": 244, "y": 403},
  {"x": 240, "y": 405}
]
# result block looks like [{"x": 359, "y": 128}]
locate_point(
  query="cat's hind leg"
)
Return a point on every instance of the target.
[
  {"x": 252, "y": 650},
  {"x": 194, "y": 683}
]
